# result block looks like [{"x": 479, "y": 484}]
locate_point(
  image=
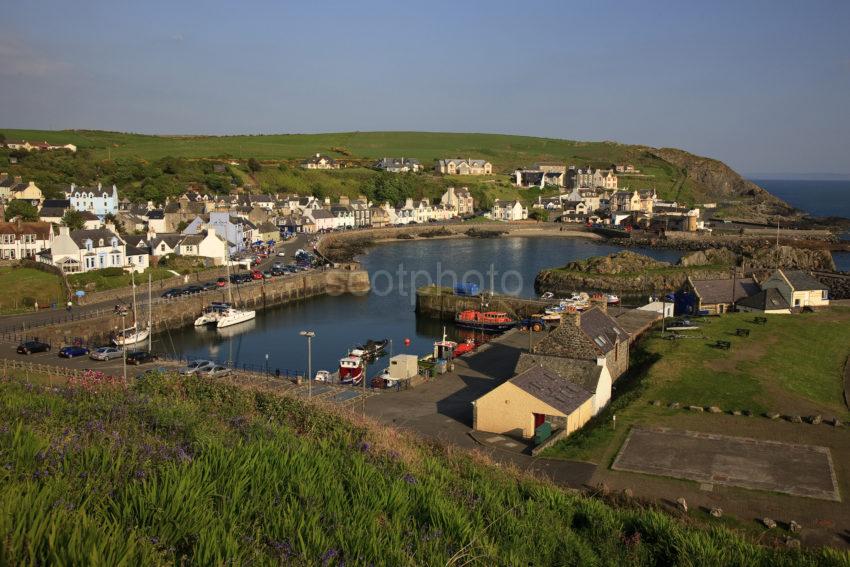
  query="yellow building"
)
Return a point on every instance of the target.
[
  {"x": 798, "y": 288},
  {"x": 530, "y": 398}
]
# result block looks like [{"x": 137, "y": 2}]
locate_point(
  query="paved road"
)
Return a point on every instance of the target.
[{"x": 16, "y": 323}]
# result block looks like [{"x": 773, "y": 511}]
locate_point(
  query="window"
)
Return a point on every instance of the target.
[
  {"x": 89, "y": 245},
  {"x": 100, "y": 243}
]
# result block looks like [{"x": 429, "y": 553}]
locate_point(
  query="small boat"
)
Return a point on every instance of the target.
[
  {"x": 351, "y": 370},
  {"x": 494, "y": 321},
  {"x": 212, "y": 314},
  {"x": 383, "y": 380},
  {"x": 323, "y": 376},
  {"x": 444, "y": 349},
  {"x": 547, "y": 295},
  {"x": 612, "y": 299},
  {"x": 233, "y": 316},
  {"x": 131, "y": 336},
  {"x": 467, "y": 346},
  {"x": 371, "y": 349}
]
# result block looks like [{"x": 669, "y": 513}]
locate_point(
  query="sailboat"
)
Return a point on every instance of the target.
[
  {"x": 134, "y": 334},
  {"x": 230, "y": 315}
]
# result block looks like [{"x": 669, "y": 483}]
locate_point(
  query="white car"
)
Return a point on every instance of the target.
[
  {"x": 196, "y": 366},
  {"x": 214, "y": 371},
  {"x": 281, "y": 254},
  {"x": 323, "y": 376}
]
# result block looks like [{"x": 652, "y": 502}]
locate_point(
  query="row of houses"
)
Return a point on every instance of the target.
[
  {"x": 36, "y": 146},
  {"x": 446, "y": 166}
]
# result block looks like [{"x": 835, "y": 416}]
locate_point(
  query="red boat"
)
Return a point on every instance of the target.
[
  {"x": 467, "y": 346},
  {"x": 351, "y": 370},
  {"x": 486, "y": 321}
]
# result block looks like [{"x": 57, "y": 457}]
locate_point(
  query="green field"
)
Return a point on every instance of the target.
[
  {"x": 23, "y": 287},
  {"x": 181, "y": 470},
  {"x": 506, "y": 152},
  {"x": 791, "y": 365},
  {"x": 100, "y": 280}
]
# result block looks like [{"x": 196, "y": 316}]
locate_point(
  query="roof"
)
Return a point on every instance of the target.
[
  {"x": 596, "y": 333},
  {"x": 802, "y": 281},
  {"x": 42, "y": 229},
  {"x": 52, "y": 212},
  {"x": 388, "y": 162},
  {"x": 766, "y": 300},
  {"x": 88, "y": 216},
  {"x": 80, "y": 236},
  {"x": 56, "y": 203},
  {"x": 157, "y": 214},
  {"x": 321, "y": 214},
  {"x": 267, "y": 227},
  {"x": 136, "y": 251},
  {"x": 584, "y": 373},
  {"x": 549, "y": 387},
  {"x": 171, "y": 239},
  {"x": 720, "y": 291}
]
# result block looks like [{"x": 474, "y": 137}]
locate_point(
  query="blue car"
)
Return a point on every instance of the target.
[{"x": 72, "y": 351}]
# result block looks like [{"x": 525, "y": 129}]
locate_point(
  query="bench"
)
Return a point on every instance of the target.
[
  {"x": 742, "y": 332},
  {"x": 725, "y": 345},
  {"x": 760, "y": 320}
]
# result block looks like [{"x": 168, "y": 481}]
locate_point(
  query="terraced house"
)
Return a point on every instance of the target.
[
  {"x": 591, "y": 177},
  {"x": 468, "y": 166},
  {"x": 86, "y": 250},
  {"x": 95, "y": 200},
  {"x": 20, "y": 240}
]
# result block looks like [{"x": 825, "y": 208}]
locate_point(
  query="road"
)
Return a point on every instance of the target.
[{"x": 23, "y": 321}]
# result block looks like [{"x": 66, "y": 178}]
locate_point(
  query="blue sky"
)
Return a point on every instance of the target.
[{"x": 763, "y": 86}]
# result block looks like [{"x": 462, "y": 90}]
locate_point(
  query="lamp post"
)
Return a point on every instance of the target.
[
  {"x": 124, "y": 346},
  {"x": 267, "y": 364},
  {"x": 309, "y": 335}
]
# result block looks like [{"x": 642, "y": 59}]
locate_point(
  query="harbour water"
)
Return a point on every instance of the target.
[{"x": 396, "y": 270}]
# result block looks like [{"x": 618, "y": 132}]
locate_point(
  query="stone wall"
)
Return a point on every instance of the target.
[
  {"x": 442, "y": 303},
  {"x": 158, "y": 287},
  {"x": 181, "y": 312}
]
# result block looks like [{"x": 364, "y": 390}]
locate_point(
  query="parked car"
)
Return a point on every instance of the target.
[
  {"x": 278, "y": 272},
  {"x": 215, "y": 371},
  {"x": 209, "y": 286},
  {"x": 171, "y": 293},
  {"x": 256, "y": 275},
  {"x": 277, "y": 265},
  {"x": 29, "y": 347},
  {"x": 221, "y": 282},
  {"x": 267, "y": 274},
  {"x": 73, "y": 351},
  {"x": 106, "y": 353},
  {"x": 281, "y": 254},
  {"x": 192, "y": 290},
  {"x": 196, "y": 366},
  {"x": 140, "y": 357}
]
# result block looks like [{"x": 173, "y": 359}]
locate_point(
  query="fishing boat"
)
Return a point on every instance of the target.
[
  {"x": 547, "y": 295},
  {"x": 444, "y": 349},
  {"x": 135, "y": 334},
  {"x": 212, "y": 314},
  {"x": 493, "y": 321},
  {"x": 371, "y": 349},
  {"x": 351, "y": 370}
]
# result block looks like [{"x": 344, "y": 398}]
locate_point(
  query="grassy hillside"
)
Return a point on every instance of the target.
[{"x": 184, "y": 471}]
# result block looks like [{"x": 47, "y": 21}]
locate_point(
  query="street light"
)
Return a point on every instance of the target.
[
  {"x": 124, "y": 346},
  {"x": 309, "y": 335}
]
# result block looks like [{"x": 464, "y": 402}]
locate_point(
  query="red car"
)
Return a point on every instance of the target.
[
  {"x": 256, "y": 275},
  {"x": 221, "y": 282}
]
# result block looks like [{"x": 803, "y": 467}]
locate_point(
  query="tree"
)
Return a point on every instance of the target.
[
  {"x": 254, "y": 165},
  {"x": 539, "y": 215},
  {"x": 23, "y": 209},
  {"x": 73, "y": 220}
]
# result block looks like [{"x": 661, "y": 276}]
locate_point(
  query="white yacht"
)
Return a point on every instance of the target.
[
  {"x": 212, "y": 314},
  {"x": 233, "y": 316}
]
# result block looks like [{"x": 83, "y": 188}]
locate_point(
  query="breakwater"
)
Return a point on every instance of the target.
[{"x": 180, "y": 312}]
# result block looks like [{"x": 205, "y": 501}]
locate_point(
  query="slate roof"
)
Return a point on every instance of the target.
[
  {"x": 56, "y": 203},
  {"x": 88, "y": 216},
  {"x": 80, "y": 236},
  {"x": 720, "y": 291},
  {"x": 765, "y": 300},
  {"x": 802, "y": 281},
  {"x": 52, "y": 212},
  {"x": 267, "y": 227},
  {"x": 322, "y": 214},
  {"x": 170, "y": 239},
  {"x": 549, "y": 387},
  {"x": 41, "y": 229},
  {"x": 596, "y": 333},
  {"x": 387, "y": 162},
  {"x": 156, "y": 215},
  {"x": 584, "y": 373},
  {"x": 136, "y": 251}
]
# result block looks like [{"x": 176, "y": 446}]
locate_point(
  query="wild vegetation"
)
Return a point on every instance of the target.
[
  {"x": 180, "y": 470},
  {"x": 24, "y": 287}
]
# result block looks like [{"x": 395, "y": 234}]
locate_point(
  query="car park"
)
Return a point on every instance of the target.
[
  {"x": 140, "y": 357},
  {"x": 256, "y": 275},
  {"x": 196, "y": 366},
  {"x": 106, "y": 353},
  {"x": 29, "y": 347},
  {"x": 192, "y": 290},
  {"x": 152, "y": 371},
  {"x": 73, "y": 351},
  {"x": 215, "y": 371}
]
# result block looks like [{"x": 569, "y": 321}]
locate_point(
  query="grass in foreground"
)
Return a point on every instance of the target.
[
  {"x": 186, "y": 471},
  {"x": 22, "y": 287},
  {"x": 792, "y": 360}
]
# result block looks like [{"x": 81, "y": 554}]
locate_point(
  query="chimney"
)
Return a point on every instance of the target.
[{"x": 17, "y": 179}]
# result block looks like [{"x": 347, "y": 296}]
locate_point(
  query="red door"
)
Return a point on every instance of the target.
[{"x": 539, "y": 418}]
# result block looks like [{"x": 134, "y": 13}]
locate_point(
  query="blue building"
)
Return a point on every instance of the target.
[{"x": 98, "y": 201}]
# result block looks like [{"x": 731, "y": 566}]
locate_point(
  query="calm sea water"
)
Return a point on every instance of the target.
[
  {"x": 819, "y": 198},
  {"x": 396, "y": 269}
]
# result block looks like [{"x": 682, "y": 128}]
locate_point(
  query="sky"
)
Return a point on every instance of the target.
[{"x": 761, "y": 85}]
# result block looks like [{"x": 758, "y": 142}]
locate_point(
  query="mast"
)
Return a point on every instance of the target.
[
  {"x": 150, "y": 314},
  {"x": 227, "y": 271},
  {"x": 135, "y": 318}
]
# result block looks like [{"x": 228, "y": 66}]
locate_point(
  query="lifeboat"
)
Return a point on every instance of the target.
[{"x": 493, "y": 321}]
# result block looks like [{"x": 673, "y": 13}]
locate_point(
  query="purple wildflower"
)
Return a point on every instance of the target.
[
  {"x": 409, "y": 479},
  {"x": 365, "y": 447},
  {"x": 328, "y": 556}
]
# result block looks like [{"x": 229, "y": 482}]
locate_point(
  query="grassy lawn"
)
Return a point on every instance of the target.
[
  {"x": 791, "y": 365},
  {"x": 184, "y": 470},
  {"x": 99, "y": 280},
  {"x": 22, "y": 287}
]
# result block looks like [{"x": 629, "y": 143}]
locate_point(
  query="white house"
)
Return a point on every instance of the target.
[
  {"x": 798, "y": 288},
  {"x": 24, "y": 239},
  {"x": 399, "y": 165},
  {"x": 205, "y": 245},
  {"x": 464, "y": 166},
  {"x": 324, "y": 220},
  {"x": 508, "y": 210},
  {"x": 87, "y": 250},
  {"x": 98, "y": 201}
]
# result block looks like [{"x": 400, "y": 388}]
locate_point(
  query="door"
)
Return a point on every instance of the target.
[{"x": 539, "y": 418}]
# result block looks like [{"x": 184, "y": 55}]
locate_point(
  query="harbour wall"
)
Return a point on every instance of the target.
[{"x": 183, "y": 311}]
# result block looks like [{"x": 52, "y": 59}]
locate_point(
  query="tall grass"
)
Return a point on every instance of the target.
[{"x": 184, "y": 471}]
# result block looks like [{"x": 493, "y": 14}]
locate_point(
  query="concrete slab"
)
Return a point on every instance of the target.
[{"x": 800, "y": 470}]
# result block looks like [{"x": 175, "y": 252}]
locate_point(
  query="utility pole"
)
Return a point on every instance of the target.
[
  {"x": 124, "y": 346},
  {"x": 309, "y": 335}
]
